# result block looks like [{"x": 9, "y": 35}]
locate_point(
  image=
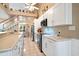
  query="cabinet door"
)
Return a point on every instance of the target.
[
  {"x": 63, "y": 48},
  {"x": 50, "y": 19},
  {"x": 75, "y": 47},
  {"x": 44, "y": 45},
  {"x": 68, "y": 13},
  {"x": 44, "y": 16},
  {"x": 63, "y": 14},
  {"x": 59, "y": 14},
  {"x": 50, "y": 48}
]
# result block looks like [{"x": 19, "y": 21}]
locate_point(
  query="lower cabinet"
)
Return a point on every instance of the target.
[
  {"x": 44, "y": 45},
  {"x": 56, "y": 48},
  {"x": 75, "y": 47},
  {"x": 47, "y": 46},
  {"x": 50, "y": 48},
  {"x": 63, "y": 48},
  {"x": 67, "y": 47}
]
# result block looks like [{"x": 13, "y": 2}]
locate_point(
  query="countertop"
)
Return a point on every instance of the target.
[
  {"x": 8, "y": 41},
  {"x": 3, "y": 32},
  {"x": 58, "y": 38}
]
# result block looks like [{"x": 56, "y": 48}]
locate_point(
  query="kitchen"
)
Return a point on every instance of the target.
[
  {"x": 65, "y": 31},
  {"x": 55, "y": 30}
]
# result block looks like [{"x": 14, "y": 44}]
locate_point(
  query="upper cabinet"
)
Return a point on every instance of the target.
[
  {"x": 59, "y": 14},
  {"x": 62, "y": 14},
  {"x": 49, "y": 16}
]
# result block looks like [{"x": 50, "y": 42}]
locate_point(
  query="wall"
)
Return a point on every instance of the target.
[
  {"x": 64, "y": 29},
  {"x": 10, "y": 25},
  {"x": 7, "y": 24},
  {"x": 29, "y": 22},
  {"x": 37, "y": 25},
  {"x": 3, "y": 14}
]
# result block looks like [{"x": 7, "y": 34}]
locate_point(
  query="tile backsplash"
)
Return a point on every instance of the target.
[{"x": 65, "y": 32}]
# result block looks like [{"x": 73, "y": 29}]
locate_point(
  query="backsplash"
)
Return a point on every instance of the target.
[{"x": 64, "y": 32}]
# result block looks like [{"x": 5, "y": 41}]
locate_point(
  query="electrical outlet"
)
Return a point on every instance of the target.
[{"x": 72, "y": 28}]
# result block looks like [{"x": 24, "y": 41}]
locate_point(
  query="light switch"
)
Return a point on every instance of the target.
[{"x": 72, "y": 28}]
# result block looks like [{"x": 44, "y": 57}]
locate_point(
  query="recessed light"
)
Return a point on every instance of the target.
[{"x": 24, "y": 50}]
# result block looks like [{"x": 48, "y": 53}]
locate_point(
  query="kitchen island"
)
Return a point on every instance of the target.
[{"x": 11, "y": 44}]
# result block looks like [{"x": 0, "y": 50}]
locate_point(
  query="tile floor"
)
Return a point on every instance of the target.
[{"x": 30, "y": 48}]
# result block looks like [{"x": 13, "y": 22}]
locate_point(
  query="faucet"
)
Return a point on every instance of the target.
[{"x": 58, "y": 34}]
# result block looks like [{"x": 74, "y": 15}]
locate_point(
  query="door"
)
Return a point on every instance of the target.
[
  {"x": 59, "y": 13},
  {"x": 50, "y": 48},
  {"x": 75, "y": 47},
  {"x": 44, "y": 45},
  {"x": 50, "y": 19},
  {"x": 63, "y": 48},
  {"x": 62, "y": 14}
]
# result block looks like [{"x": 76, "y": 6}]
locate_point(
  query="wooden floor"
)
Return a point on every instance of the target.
[{"x": 30, "y": 48}]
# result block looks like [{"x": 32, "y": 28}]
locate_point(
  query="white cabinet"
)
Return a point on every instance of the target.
[
  {"x": 59, "y": 14},
  {"x": 50, "y": 48},
  {"x": 63, "y": 48},
  {"x": 62, "y": 14},
  {"x": 56, "y": 48},
  {"x": 75, "y": 47},
  {"x": 44, "y": 45},
  {"x": 50, "y": 18},
  {"x": 67, "y": 47}
]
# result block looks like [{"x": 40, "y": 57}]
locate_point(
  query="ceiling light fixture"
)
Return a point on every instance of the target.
[{"x": 30, "y": 6}]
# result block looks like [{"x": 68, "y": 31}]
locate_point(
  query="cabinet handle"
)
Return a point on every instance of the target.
[{"x": 45, "y": 45}]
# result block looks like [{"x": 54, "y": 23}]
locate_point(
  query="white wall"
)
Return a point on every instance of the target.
[
  {"x": 3, "y": 14},
  {"x": 36, "y": 24}
]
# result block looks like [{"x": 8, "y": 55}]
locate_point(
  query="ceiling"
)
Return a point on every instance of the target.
[
  {"x": 17, "y": 6},
  {"x": 23, "y": 6}
]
